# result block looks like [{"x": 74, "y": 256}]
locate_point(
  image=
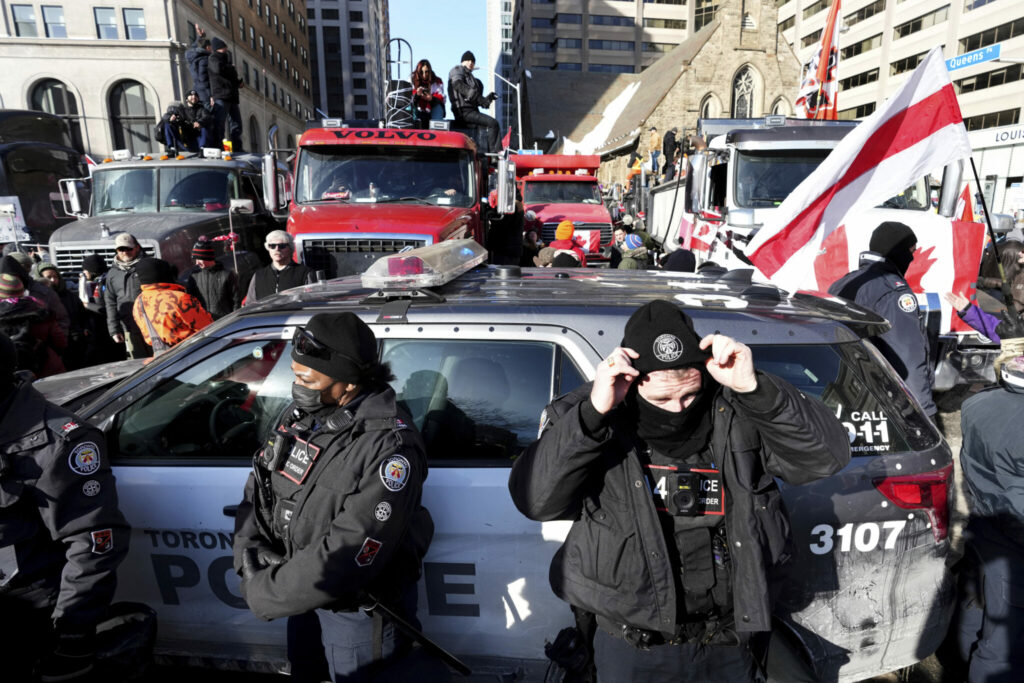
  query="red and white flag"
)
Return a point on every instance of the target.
[
  {"x": 918, "y": 129},
  {"x": 819, "y": 89},
  {"x": 964, "y": 207}
]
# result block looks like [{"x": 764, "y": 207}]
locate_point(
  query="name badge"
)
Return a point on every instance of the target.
[{"x": 300, "y": 461}]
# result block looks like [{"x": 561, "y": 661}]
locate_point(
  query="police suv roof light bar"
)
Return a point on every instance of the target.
[{"x": 430, "y": 266}]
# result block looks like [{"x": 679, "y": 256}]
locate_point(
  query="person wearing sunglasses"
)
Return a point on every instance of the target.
[
  {"x": 331, "y": 519},
  {"x": 282, "y": 273},
  {"x": 123, "y": 287}
]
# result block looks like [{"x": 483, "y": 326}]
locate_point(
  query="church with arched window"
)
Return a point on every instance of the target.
[{"x": 736, "y": 66}]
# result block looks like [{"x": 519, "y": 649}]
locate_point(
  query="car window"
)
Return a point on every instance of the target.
[
  {"x": 858, "y": 388},
  {"x": 220, "y": 407},
  {"x": 472, "y": 400}
]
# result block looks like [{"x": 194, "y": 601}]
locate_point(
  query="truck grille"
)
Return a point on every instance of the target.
[
  {"x": 341, "y": 256},
  {"x": 69, "y": 259},
  {"x": 547, "y": 231}
]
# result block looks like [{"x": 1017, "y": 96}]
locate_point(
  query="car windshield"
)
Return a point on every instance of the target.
[
  {"x": 561, "y": 192},
  {"x": 385, "y": 173},
  {"x": 765, "y": 178},
  {"x": 150, "y": 189}
]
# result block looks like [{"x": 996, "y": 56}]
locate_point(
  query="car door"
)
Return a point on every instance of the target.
[
  {"x": 476, "y": 392},
  {"x": 181, "y": 442}
]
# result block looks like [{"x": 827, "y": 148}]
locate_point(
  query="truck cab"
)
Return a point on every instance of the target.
[
  {"x": 361, "y": 193},
  {"x": 558, "y": 187},
  {"x": 167, "y": 203}
]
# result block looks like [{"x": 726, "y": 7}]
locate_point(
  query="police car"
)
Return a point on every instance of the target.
[{"x": 477, "y": 352}]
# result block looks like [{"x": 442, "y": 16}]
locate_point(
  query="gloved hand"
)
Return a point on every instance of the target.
[
  {"x": 268, "y": 558},
  {"x": 255, "y": 560},
  {"x": 71, "y": 657}
]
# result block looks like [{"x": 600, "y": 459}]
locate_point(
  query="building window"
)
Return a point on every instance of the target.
[
  {"x": 781, "y": 107},
  {"x": 24, "y": 21},
  {"x": 254, "y": 135},
  {"x": 134, "y": 24},
  {"x": 245, "y": 72},
  {"x": 667, "y": 2},
  {"x": 996, "y": 34},
  {"x": 743, "y": 94},
  {"x": 53, "y": 97},
  {"x": 541, "y": 22},
  {"x": 856, "y": 112},
  {"x": 864, "y": 12},
  {"x": 241, "y": 28},
  {"x": 355, "y": 16},
  {"x": 542, "y": 47},
  {"x": 362, "y": 100},
  {"x": 660, "y": 47},
  {"x": 788, "y": 23},
  {"x": 612, "y": 68},
  {"x": 922, "y": 22},
  {"x": 131, "y": 117},
  {"x": 359, "y": 83},
  {"x": 863, "y": 46},
  {"x": 1007, "y": 117},
  {"x": 220, "y": 13},
  {"x": 568, "y": 66},
  {"x": 906, "y": 64},
  {"x": 358, "y": 67},
  {"x": 611, "y": 20},
  {"x": 620, "y": 45},
  {"x": 106, "y": 23},
  {"x": 975, "y": 4},
  {"x": 704, "y": 13},
  {"x": 362, "y": 114},
  {"x": 356, "y": 33},
  {"x": 863, "y": 78},
  {"x": 53, "y": 20},
  {"x": 263, "y": 48},
  {"x": 569, "y": 18},
  {"x": 665, "y": 23},
  {"x": 810, "y": 38},
  {"x": 990, "y": 79},
  {"x": 252, "y": 38},
  {"x": 570, "y": 43},
  {"x": 816, "y": 7},
  {"x": 709, "y": 107},
  {"x": 331, "y": 14}
]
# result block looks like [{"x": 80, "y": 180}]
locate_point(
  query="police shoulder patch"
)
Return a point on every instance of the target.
[
  {"x": 383, "y": 511},
  {"x": 84, "y": 458},
  {"x": 394, "y": 472},
  {"x": 907, "y": 303},
  {"x": 102, "y": 541},
  {"x": 543, "y": 422},
  {"x": 91, "y": 488},
  {"x": 368, "y": 551}
]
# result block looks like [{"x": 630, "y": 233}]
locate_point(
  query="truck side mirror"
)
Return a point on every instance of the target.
[
  {"x": 270, "y": 185},
  {"x": 506, "y": 186},
  {"x": 74, "y": 195},
  {"x": 242, "y": 206},
  {"x": 950, "y": 193}
]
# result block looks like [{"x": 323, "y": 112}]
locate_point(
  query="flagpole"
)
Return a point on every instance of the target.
[{"x": 991, "y": 233}]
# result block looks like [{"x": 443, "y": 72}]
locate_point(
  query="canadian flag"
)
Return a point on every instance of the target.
[
  {"x": 919, "y": 128},
  {"x": 588, "y": 240},
  {"x": 819, "y": 87},
  {"x": 964, "y": 207}
]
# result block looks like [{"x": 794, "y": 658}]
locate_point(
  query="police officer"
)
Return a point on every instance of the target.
[
  {"x": 331, "y": 518},
  {"x": 994, "y": 476},
  {"x": 62, "y": 535},
  {"x": 879, "y": 285},
  {"x": 665, "y": 462}
]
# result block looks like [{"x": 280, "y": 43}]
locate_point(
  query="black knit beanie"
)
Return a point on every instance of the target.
[
  {"x": 217, "y": 44},
  {"x": 153, "y": 270},
  {"x": 891, "y": 236},
  {"x": 95, "y": 264},
  {"x": 352, "y": 345},
  {"x": 468, "y": 56},
  {"x": 664, "y": 337},
  {"x": 203, "y": 250}
]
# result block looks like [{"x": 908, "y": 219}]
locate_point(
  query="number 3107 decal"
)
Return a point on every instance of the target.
[{"x": 863, "y": 537}]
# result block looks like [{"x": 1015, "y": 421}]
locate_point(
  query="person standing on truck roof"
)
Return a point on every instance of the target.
[
  {"x": 282, "y": 272},
  {"x": 466, "y": 93},
  {"x": 564, "y": 233},
  {"x": 654, "y": 144},
  {"x": 122, "y": 289},
  {"x": 211, "y": 283},
  {"x": 668, "y": 150},
  {"x": 62, "y": 535},
  {"x": 331, "y": 518},
  {"x": 428, "y": 94},
  {"x": 198, "y": 58},
  {"x": 224, "y": 85},
  {"x": 666, "y": 465},
  {"x": 879, "y": 285},
  {"x": 993, "y": 471}
]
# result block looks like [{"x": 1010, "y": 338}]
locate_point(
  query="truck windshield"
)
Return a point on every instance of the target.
[
  {"x": 173, "y": 188},
  {"x": 561, "y": 192},
  {"x": 765, "y": 178},
  {"x": 385, "y": 173}
]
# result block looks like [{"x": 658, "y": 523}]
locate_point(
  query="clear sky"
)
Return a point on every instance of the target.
[{"x": 441, "y": 30}]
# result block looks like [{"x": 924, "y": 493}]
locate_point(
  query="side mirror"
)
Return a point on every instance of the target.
[
  {"x": 506, "y": 186},
  {"x": 950, "y": 193},
  {"x": 242, "y": 206},
  {"x": 270, "y": 185},
  {"x": 75, "y": 193}
]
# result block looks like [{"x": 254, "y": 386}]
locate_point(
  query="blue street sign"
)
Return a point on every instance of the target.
[{"x": 985, "y": 54}]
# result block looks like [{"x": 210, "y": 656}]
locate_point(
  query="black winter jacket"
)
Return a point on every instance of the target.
[
  {"x": 878, "y": 285},
  {"x": 465, "y": 91},
  {"x": 354, "y": 524},
  {"x": 614, "y": 561},
  {"x": 216, "y": 288},
  {"x": 198, "y": 65},
  {"x": 269, "y": 280},
  {"x": 122, "y": 288},
  {"x": 58, "y": 506},
  {"x": 224, "y": 80}
]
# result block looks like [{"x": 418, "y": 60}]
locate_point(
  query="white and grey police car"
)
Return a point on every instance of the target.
[{"x": 478, "y": 351}]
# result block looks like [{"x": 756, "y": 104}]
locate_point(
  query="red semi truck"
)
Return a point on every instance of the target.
[
  {"x": 361, "y": 193},
  {"x": 557, "y": 187}
]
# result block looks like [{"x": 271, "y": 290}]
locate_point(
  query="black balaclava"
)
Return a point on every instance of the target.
[{"x": 895, "y": 241}]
